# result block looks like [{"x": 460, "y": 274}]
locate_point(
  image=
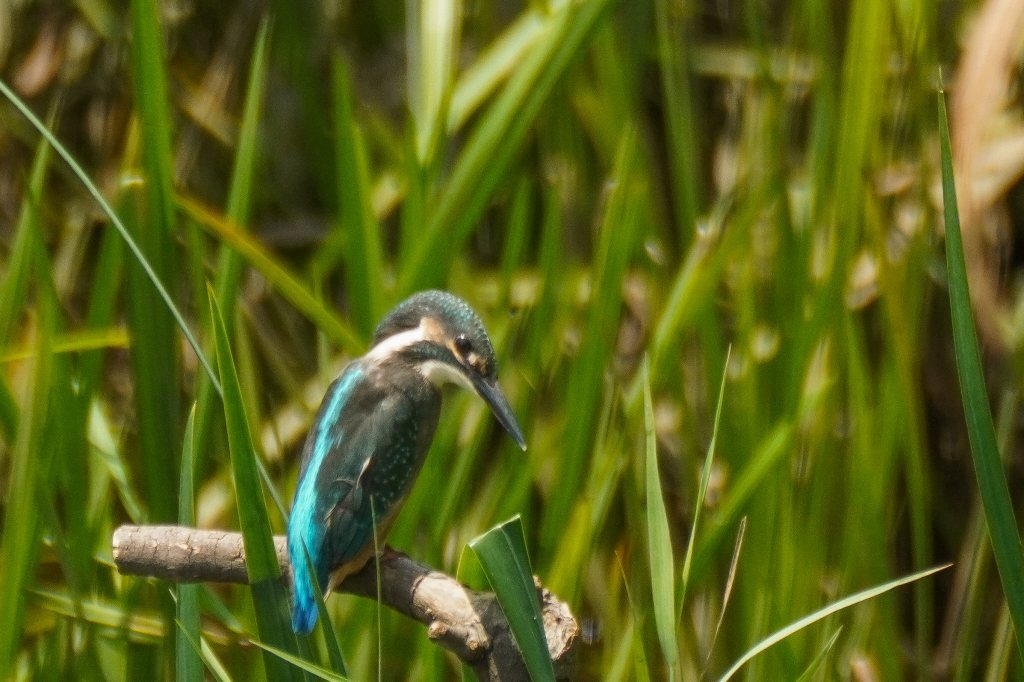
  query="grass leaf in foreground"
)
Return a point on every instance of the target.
[
  {"x": 776, "y": 637},
  {"x": 995, "y": 493},
  {"x": 705, "y": 479},
  {"x": 502, "y": 553},
  {"x": 816, "y": 665},
  {"x": 187, "y": 664},
  {"x": 19, "y": 544},
  {"x": 334, "y": 652},
  {"x": 202, "y": 650},
  {"x": 269, "y": 596},
  {"x": 659, "y": 542},
  {"x": 312, "y": 668}
]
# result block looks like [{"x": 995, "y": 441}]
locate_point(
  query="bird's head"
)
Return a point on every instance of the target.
[{"x": 447, "y": 343}]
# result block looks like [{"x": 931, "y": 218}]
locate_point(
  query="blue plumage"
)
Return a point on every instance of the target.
[
  {"x": 305, "y": 529},
  {"x": 372, "y": 432},
  {"x": 366, "y": 447}
]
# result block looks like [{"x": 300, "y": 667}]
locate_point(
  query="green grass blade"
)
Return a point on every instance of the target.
[
  {"x": 859, "y": 117},
  {"x": 673, "y": 41},
  {"x": 767, "y": 455},
  {"x": 107, "y": 279},
  {"x": 240, "y": 194},
  {"x": 9, "y": 412},
  {"x": 152, "y": 100},
  {"x": 261, "y": 557},
  {"x": 286, "y": 283},
  {"x": 19, "y": 543},
  {"x": 201, "y": 650},
  {"x": 74, "y": 342},
  {"x": 298, "y": 30},
  {"x": 214, "y": 664},
  {"x": 239, "y": 203},
  {"x": 517, "y": 234},
  {"x": 730, "y": 583},
  {"x": 694, "y": 282},
  {"x": 154, "y": 363},
  {"x": 813, "y": 668},
  {"x": 268, "y": 592},
  {"x": 621, "y": 226},
  {"x": 702, "y": 489},
  {"x": 137, "y": 254},
  {"x": 357, "y": 222},
  {"x": 18, "y": 265},
  {"x": 995, "y": 492},
  {"x": 188, "y": 664},
  {"x": 15, "y": 283},
  {"x": 825, "y": 612},
  {"x": 239, "y": 206},
  {"x": 142, "y": 624},
  {"x": 153, "y": 220},
  {"x": 500, "y": 58},
  {"x": 319, "y": 671},
  {"x": 659, "y": 542},
  {"x": 433, "y": 45},
  {"x": 502, "y": 553},
  {"x": 490, "y": 149},
  {"x": 105, "y": 447},
  {"x": 334, "y": 652}
]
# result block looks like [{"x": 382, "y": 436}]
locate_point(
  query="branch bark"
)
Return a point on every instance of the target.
[{"x": 468, "y": 623}]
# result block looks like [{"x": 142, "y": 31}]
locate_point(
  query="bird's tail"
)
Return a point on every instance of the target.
[
  {"x": 304, "y": 610},
  {"x": 303, "y": 614}
]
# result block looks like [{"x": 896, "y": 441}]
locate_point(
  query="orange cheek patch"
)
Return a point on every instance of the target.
[
  {"x": 477, "y": 362},
  {"x": 432, "y": 331}
]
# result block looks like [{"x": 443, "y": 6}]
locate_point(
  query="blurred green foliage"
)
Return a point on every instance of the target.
[{"x": 602, "y": 181}]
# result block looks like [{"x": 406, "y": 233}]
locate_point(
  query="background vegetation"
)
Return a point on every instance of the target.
[{"x": 604, "y": 182}]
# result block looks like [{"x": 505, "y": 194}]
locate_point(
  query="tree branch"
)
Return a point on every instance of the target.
[{"x": 468, "y": 623}]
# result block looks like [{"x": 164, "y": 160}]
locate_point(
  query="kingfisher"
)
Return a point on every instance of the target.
[{"x": 372, "y": 432}]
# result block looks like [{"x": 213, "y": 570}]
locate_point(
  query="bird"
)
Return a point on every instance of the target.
[{"x": 371, "y": 435}]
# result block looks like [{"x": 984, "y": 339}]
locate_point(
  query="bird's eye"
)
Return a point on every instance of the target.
[{"x": 463, "y": 345}]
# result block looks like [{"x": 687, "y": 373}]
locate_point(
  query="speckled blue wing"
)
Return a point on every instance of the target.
[{"x": 365, "y": 448}]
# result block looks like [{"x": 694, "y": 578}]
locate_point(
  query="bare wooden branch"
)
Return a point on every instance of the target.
[{"x": 468, "y": 623}]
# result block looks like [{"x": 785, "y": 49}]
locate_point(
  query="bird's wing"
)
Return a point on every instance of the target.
[
  {"x": 388, "y": 446},
  {"x": 360, "y": 459},
  {"x": 322, "y": 451}
]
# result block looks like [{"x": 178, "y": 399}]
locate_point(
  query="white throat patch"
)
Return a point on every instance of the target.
[
  {"x": 441, "y": 373},
  {"x": 402, "y": 340},
  {"x": 436, "y": 372}
]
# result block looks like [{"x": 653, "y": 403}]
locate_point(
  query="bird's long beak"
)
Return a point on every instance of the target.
[{"x": 492, "y": 394}]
